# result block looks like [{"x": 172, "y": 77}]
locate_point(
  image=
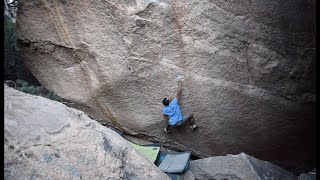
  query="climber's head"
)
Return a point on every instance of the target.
[{"x": 166, "y": 101}]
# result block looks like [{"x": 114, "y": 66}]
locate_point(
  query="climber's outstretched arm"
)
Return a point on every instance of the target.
[{"x": 179, "y": 91}]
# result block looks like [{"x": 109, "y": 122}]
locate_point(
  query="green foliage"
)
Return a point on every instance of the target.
[
  {"x": 29, "y": 90},
  {"x": 9, "y": 27},
  {"x": 9, "y": 36},
  {"x": 34, "y": 90},
  {"x": 13, "y": 68},
  {"x": 9, "y": 45},
  {"x": 25, "y": 84},
  {"x": 53, "y": 96}
]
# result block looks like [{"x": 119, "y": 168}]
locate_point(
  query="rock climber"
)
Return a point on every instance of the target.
[{"x": 172, "y": 114}]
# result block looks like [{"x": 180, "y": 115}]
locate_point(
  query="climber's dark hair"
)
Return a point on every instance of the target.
[{"x": 165, "y": 101}]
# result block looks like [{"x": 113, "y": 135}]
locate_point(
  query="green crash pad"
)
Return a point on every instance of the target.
[{"x": 150, "y": 151}]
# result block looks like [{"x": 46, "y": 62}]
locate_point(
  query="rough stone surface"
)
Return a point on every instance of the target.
[
  {"x": 308, "y": 176},
  {"x": 248, "y": 68},
  {"x": 237, "y": 167},
  {"x": 45, "y": 139},
  {"x": 188, "y": 175}
]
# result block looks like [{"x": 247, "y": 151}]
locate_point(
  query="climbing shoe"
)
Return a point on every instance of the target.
[
  {"x": 165, "y": 130},
  {"x": 193, "y": 126}
]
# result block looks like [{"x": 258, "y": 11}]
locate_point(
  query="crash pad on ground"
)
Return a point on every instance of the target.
[
  {"x": 175, "y": 163},
  {"x": 150, "y": 150}
]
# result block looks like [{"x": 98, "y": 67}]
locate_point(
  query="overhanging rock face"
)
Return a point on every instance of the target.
[{"x": 247, "y": 68}]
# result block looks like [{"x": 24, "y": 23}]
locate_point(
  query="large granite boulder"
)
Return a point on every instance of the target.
[
  {"x": 248, "y": 68},
  {"x": 44, "y": 139},
  {"x": 237, "y": 167},
  {"x": 312, "y": 175}
]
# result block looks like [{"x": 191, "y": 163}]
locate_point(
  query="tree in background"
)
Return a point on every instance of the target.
[
  {"x": 10, "y": 9},
  {"x": 14, "y": 67},
  {"x": 9, "y": 48}
]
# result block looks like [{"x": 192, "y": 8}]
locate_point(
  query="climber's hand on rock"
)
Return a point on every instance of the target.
[{"x": 179, "y": 79}]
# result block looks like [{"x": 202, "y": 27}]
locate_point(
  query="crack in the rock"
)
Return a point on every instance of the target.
[
  {"x": 106, "y": 145},
  {"x": 61, "y": 129},
  {"x": 250, "y": 75},
  {"x": 233, "y": 37},
  {"x": 28, "y": 41},
  {"x": 105, "y": 110}
]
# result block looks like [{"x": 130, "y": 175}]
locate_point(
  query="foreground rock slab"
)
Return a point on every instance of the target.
[
  {"x": 45, "y": 139},
  {"x": 237, "y": 167},
  {"x": 308, "y": 176}
]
